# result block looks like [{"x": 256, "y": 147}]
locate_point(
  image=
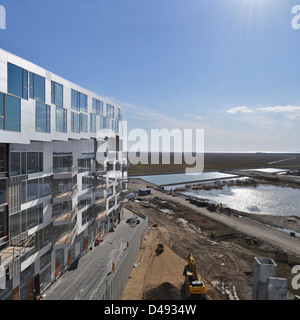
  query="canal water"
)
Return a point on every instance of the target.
[{"x": 263, "y": 199}]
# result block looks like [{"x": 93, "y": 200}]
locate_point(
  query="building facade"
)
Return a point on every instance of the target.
[{"x": 62, "y": 174}]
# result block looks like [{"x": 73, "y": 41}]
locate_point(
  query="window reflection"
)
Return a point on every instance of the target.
[
  {"x": 42, "y": 116},
  {"x": 36, "y": 87},
  {"x": 75, "y": 122},
  {"x": 61, "y": 119},
  {"x": 56, "y": 93}
]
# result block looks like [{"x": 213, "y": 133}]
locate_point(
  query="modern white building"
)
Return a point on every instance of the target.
[{"x": 57, "y": 193}]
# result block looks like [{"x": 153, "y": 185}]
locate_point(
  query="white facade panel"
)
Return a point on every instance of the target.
[{"x": 67, "y": 226}]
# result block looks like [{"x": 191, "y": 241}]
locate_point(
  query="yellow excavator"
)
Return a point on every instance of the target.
[{"x": 194, "y": 284}]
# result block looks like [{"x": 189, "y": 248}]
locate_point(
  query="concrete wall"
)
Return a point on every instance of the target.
[{"x": 263, "y": 268}]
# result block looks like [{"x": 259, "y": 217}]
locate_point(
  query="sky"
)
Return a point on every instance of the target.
[{"x": 230, "y": 67}]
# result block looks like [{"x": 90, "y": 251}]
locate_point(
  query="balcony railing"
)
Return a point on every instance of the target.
[
  {"x": 65, "y": 172},
  {"x": 65, "y": 196},
  {"x": 16, "y": 248},
  {"x": 64, "y": 235},
  {"x": 100, "y": 212},
  {"x": 101, "y": 202},
  {"x": 111, "y": 202},
  {"x": 64, "y": 217},
  {"x": 100, "y": 169}
]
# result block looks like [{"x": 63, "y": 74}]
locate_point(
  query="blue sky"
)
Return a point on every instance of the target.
[{"x": 230, "y": 67}]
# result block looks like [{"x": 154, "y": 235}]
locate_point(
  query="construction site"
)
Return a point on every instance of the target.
[{"x": 229, "y": 252}]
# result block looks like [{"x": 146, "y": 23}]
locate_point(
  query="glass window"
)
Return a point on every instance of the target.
[
  {"x": 92, "y": 122},
  {"x": 24, "y": 192},
  {"x": 36, "y": 87},
  {"x": 41, "y": 213},
  {"x": 95, "y": 106},
  {"x": 45, "y": 260},
  {"x": 45, "y": 278},
  {"x": 3, "y": 190},
  {"x": 23, "y": 221},
  {"x": 101, "y": 107},
  {"x": 83, "y": 122},
  {"x": 32, "y": 217},
  {"x": 47, "y": 185},
  {"x": 1, "y": 111},
  {"x": 104, "y": 122},
  {"x": 75, "y": 122},
  {"x": 15, "y": 163},
  {"x": 61, "y": 119},
  {"x": 56, "y": 93},
  {"x": 83, "y": 102},
  {"x": 31, "y": 84},
  {"x": 3, "y": 157},
  {"x": 14, "y": 224},
  {"x": 41, "y": 161},
  {"x": 25, "y": 84},
  {"x": 78, "y": 101},
  {"x": 119, "y": 114},
  {"x": 81, "y": 165},
  {"x": 32, "y": 162},
  {"x": 110, "y": 111},
  {"x": 41, "y": 187},
  {"x": 74, "y": 100},
  {"x": 42, "y": 116},
  {"x": 32, "y": 189},
  {"x": 24, "y": 162},
  {"x": 62, "y": 147},
  {"x": 12, "y": 113},
  {"x": 15, "y": 80}
]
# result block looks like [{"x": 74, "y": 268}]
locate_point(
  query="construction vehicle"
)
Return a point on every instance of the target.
[
  {"x": 160, "y": 248},
  {"x": 194, "y": 284}
]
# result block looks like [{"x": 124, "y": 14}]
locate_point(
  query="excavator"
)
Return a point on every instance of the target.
[{"x": 194, "y": 284}]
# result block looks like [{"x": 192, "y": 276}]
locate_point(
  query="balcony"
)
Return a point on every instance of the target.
[
  {"x": 100, "y": 183},
  {"x": 100, "y": 169},
  {"x": 100, "y": 213},
  {"x": 65, "y": 172},
  {"x": 14, "y": 249},
  {"x": 65, "y": 216},
  {"x": 101, "y": 202},
  {"x": 111, "y": 202},
  {"x": 64, "y": 196},
  {"x": 121, "y": 199},
  {"x": 63, "y": 236}
]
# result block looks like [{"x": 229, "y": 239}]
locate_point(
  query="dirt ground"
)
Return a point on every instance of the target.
[
  {"x": 156, "y": 276},
  {"x": 225, "y": 265}
]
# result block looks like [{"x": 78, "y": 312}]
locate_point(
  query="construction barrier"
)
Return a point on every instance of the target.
[{"x": 114, "y": 284}]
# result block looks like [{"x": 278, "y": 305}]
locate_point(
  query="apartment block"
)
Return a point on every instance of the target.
[{"x": 62, "y": 174}]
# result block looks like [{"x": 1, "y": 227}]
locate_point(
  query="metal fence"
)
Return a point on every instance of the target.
[{"x": 113, "y": 286}]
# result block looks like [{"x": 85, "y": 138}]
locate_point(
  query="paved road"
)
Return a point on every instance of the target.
[{"x": 82, "y": 281}]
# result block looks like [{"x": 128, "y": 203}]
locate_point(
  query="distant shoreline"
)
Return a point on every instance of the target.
[{"x": 221, "y": 161}]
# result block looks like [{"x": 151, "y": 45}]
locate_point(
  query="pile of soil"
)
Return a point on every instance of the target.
[{"x": 165, "y": 291}]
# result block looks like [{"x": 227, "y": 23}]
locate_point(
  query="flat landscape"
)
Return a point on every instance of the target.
[
  {"x": 224, "y": 261},
  {"x": 218, "y": 161}
]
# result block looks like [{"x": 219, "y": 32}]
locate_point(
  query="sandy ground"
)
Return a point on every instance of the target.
[
  {"x": 226, "y": 273},
  {"x": 155, "y": 270}
]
